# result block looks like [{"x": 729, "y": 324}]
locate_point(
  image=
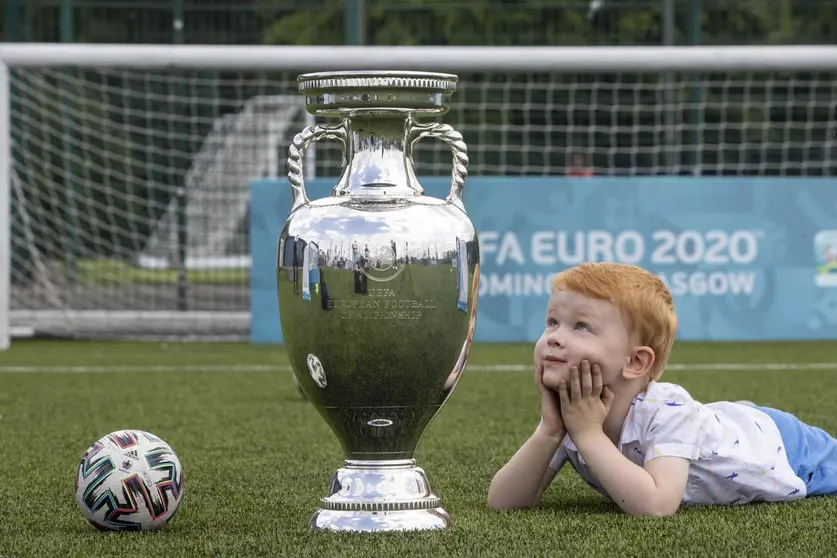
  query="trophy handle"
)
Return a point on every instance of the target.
[
  {"x": 459, "y": 149},
  {"x": 301, "y": 141}
]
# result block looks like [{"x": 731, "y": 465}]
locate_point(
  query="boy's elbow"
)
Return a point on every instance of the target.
[
  {"x": 496, "y": 502},
  {"x": 494, "y": 505},
  {"x": 654, "y": 512},
  {"x": 656, "y": 509},
  {"x": 492, "y": 502}
]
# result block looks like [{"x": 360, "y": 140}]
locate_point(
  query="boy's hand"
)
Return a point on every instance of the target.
[
  {"x": 584, "y": 403},
  {"x": 551, "y": 422}
]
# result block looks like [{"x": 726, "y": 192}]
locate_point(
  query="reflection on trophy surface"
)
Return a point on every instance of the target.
[{"x": 377, "y": 288}]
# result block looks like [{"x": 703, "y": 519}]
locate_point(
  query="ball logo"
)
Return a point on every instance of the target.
[
  {"x": 382, "y": 264},
  {"x": 825, "y": 258},
  {"x": 315, "y": 368}
]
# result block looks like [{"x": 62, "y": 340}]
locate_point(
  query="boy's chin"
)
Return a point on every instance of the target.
[{"x": 552, "y": 379}]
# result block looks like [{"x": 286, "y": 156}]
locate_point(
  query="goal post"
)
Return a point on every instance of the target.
[
  {"x": 125, "y": 168},
  {"x": 5, "y": 208}
]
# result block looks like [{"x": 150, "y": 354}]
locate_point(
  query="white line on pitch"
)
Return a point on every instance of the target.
[
  {"x": 718, "y": 366},
  {"x": 149, "y": 368}
]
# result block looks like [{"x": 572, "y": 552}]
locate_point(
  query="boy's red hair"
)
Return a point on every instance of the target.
[{"x": 642, "y": 298}]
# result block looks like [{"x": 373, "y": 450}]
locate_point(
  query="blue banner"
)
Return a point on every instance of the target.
[{"x": 745, "y": 258}]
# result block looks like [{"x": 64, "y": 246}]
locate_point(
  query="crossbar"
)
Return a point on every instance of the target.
[{"x": 441, "y": 58}]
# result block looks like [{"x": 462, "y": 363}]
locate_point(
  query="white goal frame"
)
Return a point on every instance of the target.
[{"x": 307, "y": 59}]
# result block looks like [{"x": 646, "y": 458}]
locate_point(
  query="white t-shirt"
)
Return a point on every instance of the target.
[{"x": 736, "y": 451}]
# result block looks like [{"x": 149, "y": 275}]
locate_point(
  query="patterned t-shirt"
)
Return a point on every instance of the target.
[{"x": 736, "y": 451}]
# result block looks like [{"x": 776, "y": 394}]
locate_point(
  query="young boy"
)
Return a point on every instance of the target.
[{"x": 644, "y": 444}]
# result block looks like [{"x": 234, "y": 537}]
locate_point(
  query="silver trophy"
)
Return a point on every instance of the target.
[{"x": 377, "y": 288}]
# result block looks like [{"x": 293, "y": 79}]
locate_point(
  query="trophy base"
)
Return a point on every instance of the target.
[
  {"x": 380, "y": 496},
  {"x": 380, "y": 522}
]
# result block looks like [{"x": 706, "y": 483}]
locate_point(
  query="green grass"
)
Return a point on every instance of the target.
[
  {"x": 257, "y": 457},
  {"x": 99, "y": 272}
]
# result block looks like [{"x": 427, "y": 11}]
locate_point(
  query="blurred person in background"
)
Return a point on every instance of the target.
[{"x": 578, "y": 166}]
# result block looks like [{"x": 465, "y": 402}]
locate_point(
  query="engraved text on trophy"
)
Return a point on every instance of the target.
[{"x": 382, "y": 304}]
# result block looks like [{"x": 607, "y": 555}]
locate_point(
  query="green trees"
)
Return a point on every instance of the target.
[{"x": 553, "y": 22}]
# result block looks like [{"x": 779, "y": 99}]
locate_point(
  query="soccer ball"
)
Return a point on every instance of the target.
[{"x": 129, "y": 480}]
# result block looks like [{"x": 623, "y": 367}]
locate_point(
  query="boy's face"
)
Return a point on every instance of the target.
[{"x": 581, "y": 328}]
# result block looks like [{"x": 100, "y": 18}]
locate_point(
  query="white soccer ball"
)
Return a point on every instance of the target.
[{"x": 129, "y": 480}]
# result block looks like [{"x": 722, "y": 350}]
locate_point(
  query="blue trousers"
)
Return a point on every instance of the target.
[{"x": 811, "y": 451}]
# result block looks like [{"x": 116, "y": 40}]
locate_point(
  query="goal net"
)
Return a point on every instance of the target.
[
  {"x": 129, "y": 180},
  {"x": 130, "y": 195}
]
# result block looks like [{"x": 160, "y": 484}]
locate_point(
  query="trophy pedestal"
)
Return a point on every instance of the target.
[{"x": 380, "y": 496}]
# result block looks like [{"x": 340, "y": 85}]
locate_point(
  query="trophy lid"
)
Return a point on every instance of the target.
[{"x": 338, "y": 94}]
